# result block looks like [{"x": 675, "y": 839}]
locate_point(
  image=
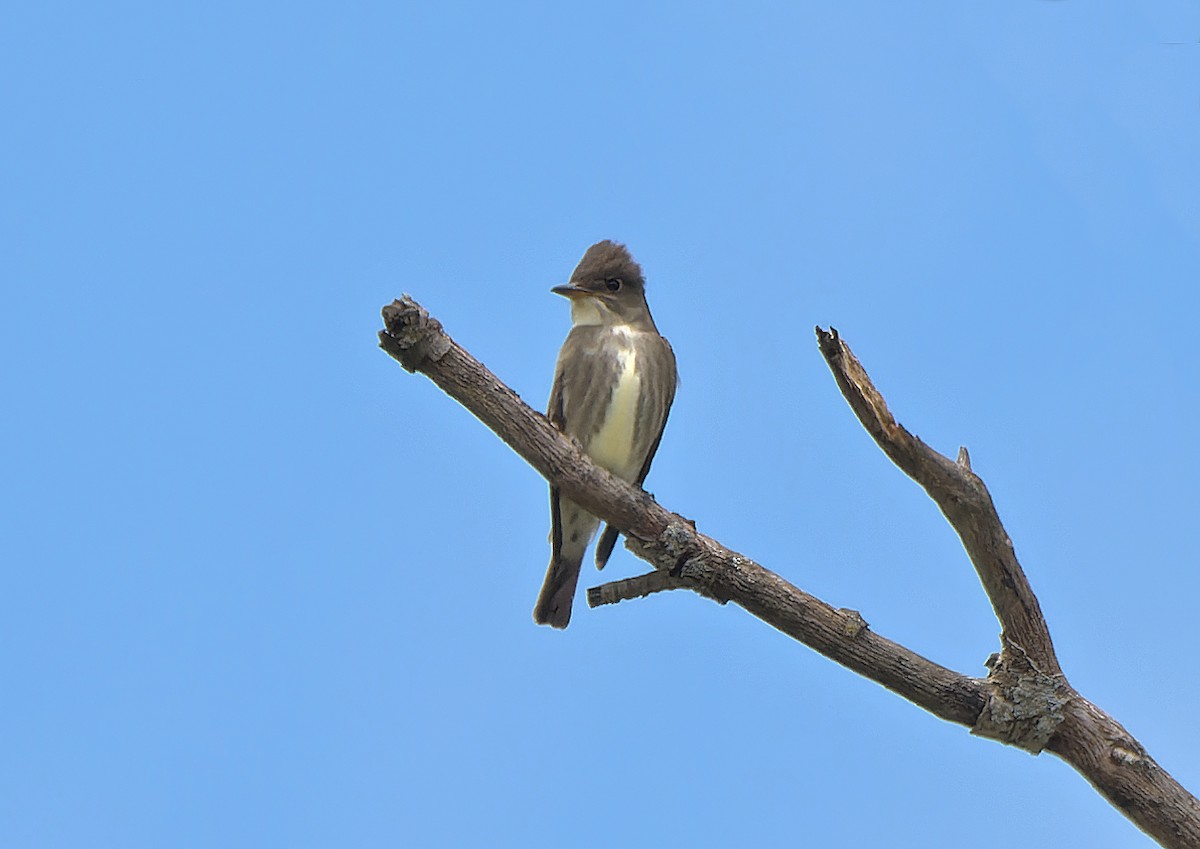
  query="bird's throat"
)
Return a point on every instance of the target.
[{"x": 588, "y": 311}]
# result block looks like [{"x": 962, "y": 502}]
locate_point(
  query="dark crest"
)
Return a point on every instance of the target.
[{"x": 608, "y": 259}]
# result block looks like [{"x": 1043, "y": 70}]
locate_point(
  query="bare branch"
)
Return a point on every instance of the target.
[
  {"x": 1025, "y": 700},
  {"x": 667, "y": 541},
  {"x": 631, "y": 588},
  {"x": 1031, "y": 705},
  {"x": 963, "y": 499},
  {"x": 419, "y": 343}
]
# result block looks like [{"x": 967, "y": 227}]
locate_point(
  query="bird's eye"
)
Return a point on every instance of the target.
[{"x": 613, "y": 283}]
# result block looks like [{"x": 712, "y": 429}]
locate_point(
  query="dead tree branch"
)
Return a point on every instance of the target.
[
  {"x": 1025, "y": 700},
  {"x": 963, "y": 499}
]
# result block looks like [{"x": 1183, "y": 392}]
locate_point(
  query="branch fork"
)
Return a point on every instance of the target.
[{"x": 1025, "y": 700}]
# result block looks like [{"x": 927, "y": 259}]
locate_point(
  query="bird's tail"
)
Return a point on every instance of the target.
[
  {"x": 572, "y": 531},
  {"x": 553, "y": 606}
]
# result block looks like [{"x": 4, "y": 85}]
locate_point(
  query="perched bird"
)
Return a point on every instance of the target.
[{"x": 613, "y": 388}]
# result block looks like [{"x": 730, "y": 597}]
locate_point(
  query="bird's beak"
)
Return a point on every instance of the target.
[{"x": 570, "y": 290}]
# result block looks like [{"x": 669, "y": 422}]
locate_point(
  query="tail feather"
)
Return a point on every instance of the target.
[
  {"x": 569, "y": 538},
  {"x": 553, "y": 606}
]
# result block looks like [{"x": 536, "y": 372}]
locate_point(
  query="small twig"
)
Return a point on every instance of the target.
[{"x": 631, "y": 588}]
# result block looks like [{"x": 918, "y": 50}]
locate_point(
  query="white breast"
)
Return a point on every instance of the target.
[{"x": 612, "y": 446}]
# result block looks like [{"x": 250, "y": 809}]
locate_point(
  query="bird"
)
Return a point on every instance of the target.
[{"x": 614, "y": 383}]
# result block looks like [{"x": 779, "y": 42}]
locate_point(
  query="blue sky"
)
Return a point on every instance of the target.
[{"x": 262, "y": 587}]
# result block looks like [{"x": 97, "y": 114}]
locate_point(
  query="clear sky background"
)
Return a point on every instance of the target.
[{"x": 261, "y": 587}]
